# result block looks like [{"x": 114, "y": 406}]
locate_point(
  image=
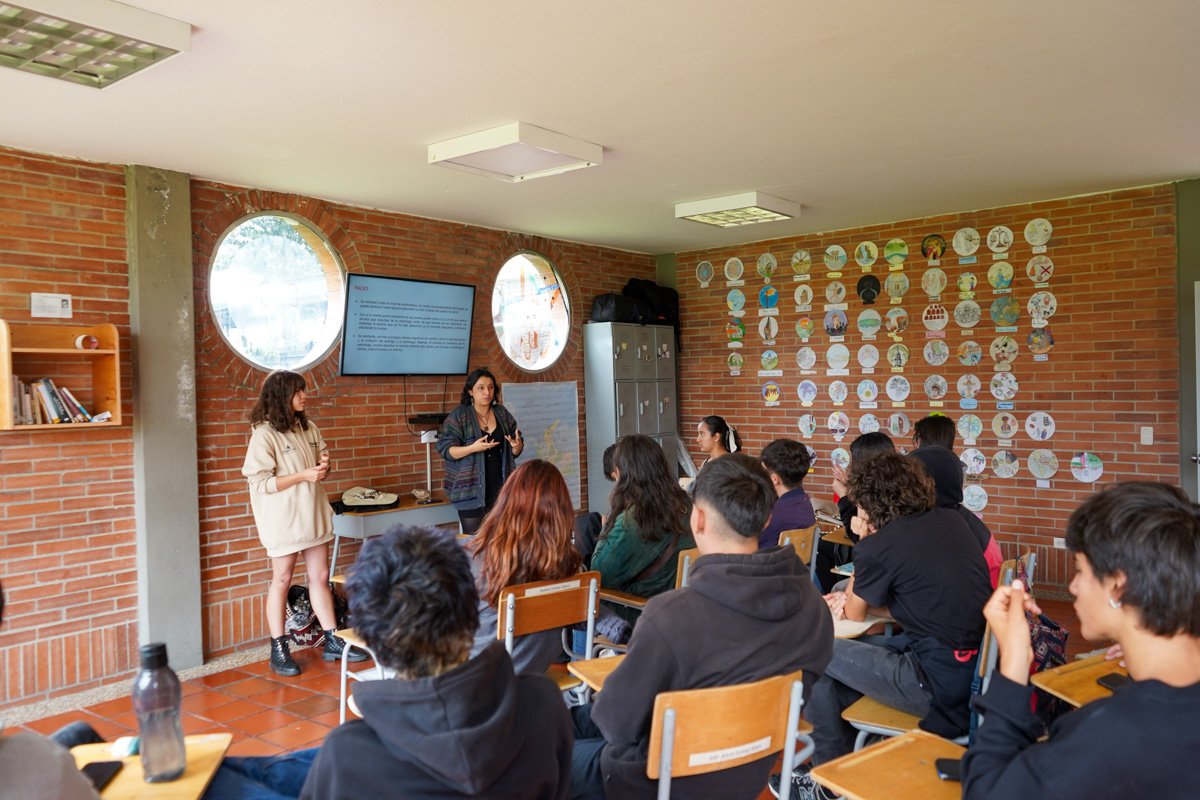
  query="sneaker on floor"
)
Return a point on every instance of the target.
[{"x": 803, "y": 786}]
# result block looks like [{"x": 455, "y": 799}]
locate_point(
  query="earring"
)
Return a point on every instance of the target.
[{"x": 1115, "y": 603}]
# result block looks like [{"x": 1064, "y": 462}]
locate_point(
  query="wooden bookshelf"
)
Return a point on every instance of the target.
[{"x": 32, "y": 351}]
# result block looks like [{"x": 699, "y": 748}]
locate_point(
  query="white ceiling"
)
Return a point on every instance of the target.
[{"x": 863, "y": 111}]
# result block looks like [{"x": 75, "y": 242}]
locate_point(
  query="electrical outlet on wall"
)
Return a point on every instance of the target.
[
  {"x": 1060, "y": 543},
  {"x": 1147, "y": 434}
]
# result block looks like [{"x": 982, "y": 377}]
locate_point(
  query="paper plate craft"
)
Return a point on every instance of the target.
[
  {"x": 1000, "y": 275},
  {"x": 868, "y": 356},
  {"x": 1042, "y": 305},
  {"x": 806, "y": 391},
  {"x": 933, "y": 282},
  {"x": 835, "y": 292},
  {"x": 868, "y": 423},
  {"x": 898, "y": 424},
  {"x": 803, "y": 295},
  {"x": 836, "y": 323},
  {"x": 835, "y": 257},
  {"x": 868, "y": 288},
  {"x": 1040, "y": 426},
  {"x": 1086, "y": 467},
  {"x": 1005, "y": 464},
  {"x": 807, "y": 424},
  {"x": 999, "y": 239},
  {"x": 806, "y": 358},
  {"x": 1004, "y": 386},
  {"x": 868, "y": 322},
  {"x": 735, "y": 360},
  {"x": 935, "y": 316},
  {"x": 736, "y": 300},
  {"x": 933, "y": 246},
  {"x": 1042, "y": 464},
  {"x": 936, "y": 352},
  {"x": 896, "y": 284},
  {"x": 837, "y": 356},
  {"x": 975, "y": 497},
  {"x": 895, "y": 251},
  {"x": 967, "y": 314},
  {"x": 969, "y": 353},
  {"x": 966, "y": 241},
  {"x": 1040, "y": 341},
  {"x": 771, "y": 392},
  {"x": 867, "y": 390},
  {"x": 969, "y": 427},
  {"x": 735, "y": 330},
  {"x": 1040, "y": 269},
  {"x": 838, "y": 423},
  {"x": 967, "y": 282},
  {"x": 936, "y": 387},
  {"x": 1038, "y": 231},
  {"x": 866, "y": 254},
  {"x": 1005, "y": 311},
  {"x": 805, "y": 327},
  {"x": 840, "y": 457},
  {"x": 1005, "y": 425},
  {"x": 898, "y": 388},
  {"x": 704, "y": 272},
  {"x": 767, "y": 266},
  {"x": 801, "y": 262},
  {"x": 897, "y": 355},
  {"x": 769, "y": 359},
  {"x": 838, "y": 391},
  {"x": 968, "y": 385},
  {"x": 734, "y": 269},
  {"x": 896, "y": 320},
  {"x": 1003, "y": 349},
  {"x": 974, "y": 461},
  {"x": 768, "y": 296}
]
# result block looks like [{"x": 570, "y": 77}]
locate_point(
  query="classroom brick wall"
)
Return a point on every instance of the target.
[{"x": 1113, "y": 369}]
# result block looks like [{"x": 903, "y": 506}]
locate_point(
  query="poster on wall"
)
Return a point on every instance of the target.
[{"x": 548, "y": 415}]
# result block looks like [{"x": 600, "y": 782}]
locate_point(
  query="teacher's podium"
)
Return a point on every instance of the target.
[{"x": 366, "y": 522}]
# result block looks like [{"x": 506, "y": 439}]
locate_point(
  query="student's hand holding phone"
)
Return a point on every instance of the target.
[{"x": 1005, "y": 612}]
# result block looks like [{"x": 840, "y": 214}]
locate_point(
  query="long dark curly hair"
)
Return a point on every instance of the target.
[
  {"x": 274, "y": 404},
  {"x": 646, "y": 491},
  {"x": 890, "y": 486}
]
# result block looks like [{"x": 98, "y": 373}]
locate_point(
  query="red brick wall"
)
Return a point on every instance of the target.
[
  {"x": 66, "y": 496},
  {"x": 1114, "y": 367}
]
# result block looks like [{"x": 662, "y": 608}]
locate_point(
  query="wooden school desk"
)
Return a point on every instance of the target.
[
  {"x": 594, "y": 671},
  {"x": 204, "y": 754},
  {"x": 1076, "y": 682},
  {"x": 900, "y": 768}
]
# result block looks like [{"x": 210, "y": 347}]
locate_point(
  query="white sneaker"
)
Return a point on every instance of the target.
[{"x": 803, "y": 786}]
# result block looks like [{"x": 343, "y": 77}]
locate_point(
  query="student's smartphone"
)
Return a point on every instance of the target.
[
  {"x": 101, "y": 773},
  {"x": 949, "y": 769},
  {"x": 1112, "y": 680}
]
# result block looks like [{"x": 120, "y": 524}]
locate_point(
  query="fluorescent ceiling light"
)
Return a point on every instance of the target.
[
  {"x": 89, "y": 42},
  {"x": 735, "y": 210},
  {"x": 515, "y": 152}
]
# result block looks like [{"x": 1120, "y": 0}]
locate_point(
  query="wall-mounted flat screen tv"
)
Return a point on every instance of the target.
[{"x": 398, "y": 326}]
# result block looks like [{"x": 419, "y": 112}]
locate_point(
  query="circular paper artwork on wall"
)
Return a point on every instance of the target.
[
  {"x": 1005, "y": 311},
  {"x": 868, "y": 423},
  {"x": 736, "y": 300},
  {"x": 1042, "y": 464},
  {"x": 1039, "y": 269},
  {"x": 704, "y": 272},
  {"x": 895, "y": 251},
  {"x": 837, "y": 356},
  {"x": 974, "y": 461},
  {"x": 801, "y": 262},
  {"x": 768, "y": 296},
  {"x": 735, "y": 361},
  {"x": 806, "y": 358},
  {"x": 836, "y": 323},
  {"x": 898, "y": 388},
  {"x": 936, "y": 352},
  {"x": 1040, "y": 341},
  {"x": 734, "y": 268},
  {"x": 767, "y": 266},
  {"x": 1000, "y": 275},
  {"x": 805, "y": 327},
  {"x": 1042, "y": 306},
  {"x": 840, "y": 457},
  {"x": 1038, "y": 231},
  {"x": 935, "y": 316},
  {"x": 975, "y": 497},
  {"x": 999, "y": 239},
  {"x": 868, "y": 390},
  {"x": 896, "y": 284},
  {"x": 969, "y": 353},
  {"x": 769, "y": 359},
  {"x": 967, "y": 314},
  {"x": 768, "y": 328},
  {"x": 899, "y": 424},
  {"x": 866, "y": 254},
  {"x": 803, "y": 295},
  {"x": 838, "y": 391},
  {"x": 771, "y": 392},
  {"x": 835, "y": 292},
  {"x": 868, "y": 288},
  {"x": 966, "y": 241},
  {"x": 1004, "y": 386},
  {"x": 933, "y": 246},
  {"x": 896, "y": 320},
  {"x": 1003, "y": 349},
  {"x": 835, "y": 257},
  {"x": 735, "y": 330},
  {"x": 1005, "y": 464},
  {"x": 838, "y": 423},
  {"x": 969, "y": 427},
  {"x": 868, "y": 322},
  {"x": 868, "y": 356},
  {"x": 1087, "y": 467},
  {"x": 969, "y": 385},
  {"x": 1005, "y": 425},
  {"x": 936, "y": 387},
  {"x": 967, "y": 282},
  {"x": 806, "y": 391},
  {"x": 933, "y": 282},
  {"x": 1040, "y": 426},
  {"x": 897, "y": 355},
  {"x": 807, "y": 425}
]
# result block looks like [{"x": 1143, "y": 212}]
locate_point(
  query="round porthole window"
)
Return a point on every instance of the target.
[
  {"x": 530, "y": 312},
  {"x": 277, "y": 291}
]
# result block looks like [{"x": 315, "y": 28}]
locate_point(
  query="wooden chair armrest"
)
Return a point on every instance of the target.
[{"x": 623, "y": 598}]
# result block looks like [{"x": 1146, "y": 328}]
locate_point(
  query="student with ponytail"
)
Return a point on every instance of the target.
[{"x": 716, "y": 438}]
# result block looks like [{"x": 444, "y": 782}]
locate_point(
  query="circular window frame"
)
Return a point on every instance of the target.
[
  {"x": 327, "y": 256},
  {"x": 561, "y": 278}
]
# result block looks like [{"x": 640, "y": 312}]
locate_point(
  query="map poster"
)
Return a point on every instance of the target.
[{"x": 548, "y": 416}]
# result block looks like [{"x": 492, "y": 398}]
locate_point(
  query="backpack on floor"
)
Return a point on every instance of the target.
[{"x": 301, "y": 625}]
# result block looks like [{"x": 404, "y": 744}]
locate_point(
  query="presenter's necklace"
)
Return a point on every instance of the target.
[{"x": 483, "y": 419}]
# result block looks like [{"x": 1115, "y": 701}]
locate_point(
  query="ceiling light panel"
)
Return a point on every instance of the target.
[
  {"x": 515, "y": 152},
  {"x": 736, "y": 210}
]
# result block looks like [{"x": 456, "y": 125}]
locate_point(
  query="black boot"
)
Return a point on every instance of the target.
[
  {"x": 334, "y": 647},
  {"x": 282, "y": 662}
]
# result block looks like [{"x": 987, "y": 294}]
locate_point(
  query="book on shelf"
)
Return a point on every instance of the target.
[
  {"x": 54, "y": 413},
  {"x": 42, "y": 402},
  {"x": 81, "y": 414}
]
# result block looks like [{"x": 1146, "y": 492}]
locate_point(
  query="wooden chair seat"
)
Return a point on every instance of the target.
[
  {"x": 376, "y": 672},
  {"x": 564, "y": 680},
  {"x": 869, "y": 714},
  {"x": 683, "y": 567}
]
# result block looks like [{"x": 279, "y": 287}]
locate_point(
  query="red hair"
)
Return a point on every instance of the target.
[{"x": 527, "y": 535}]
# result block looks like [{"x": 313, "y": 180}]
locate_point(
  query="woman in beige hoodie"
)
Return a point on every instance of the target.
[{"x": 285, "y": 464}]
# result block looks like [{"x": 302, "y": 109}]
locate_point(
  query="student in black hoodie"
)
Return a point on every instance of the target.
[
  {"x": 746, "y": 614},
  {"x": 1137, "y": 559},
  {"x": 447, "y": 726}
]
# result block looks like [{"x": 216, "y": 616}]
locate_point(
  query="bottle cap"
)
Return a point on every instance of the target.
[{"x": 153, "y": 655}]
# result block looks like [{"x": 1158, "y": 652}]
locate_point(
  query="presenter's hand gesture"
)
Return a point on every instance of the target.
[
  {"x": 485, "y": 443},
  {"x": 516, "y": 442}
]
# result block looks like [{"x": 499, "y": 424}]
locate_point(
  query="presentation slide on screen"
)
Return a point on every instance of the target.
[{"x": 406, "y": 327}]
